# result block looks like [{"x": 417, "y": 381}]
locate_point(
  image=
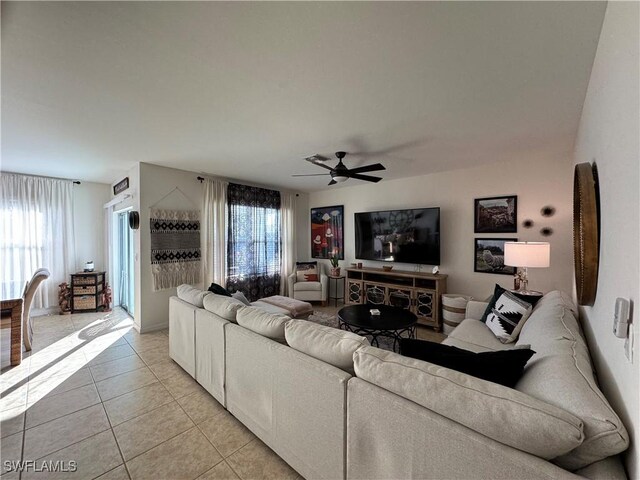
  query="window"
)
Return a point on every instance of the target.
[
  {"x": 21, "y": 249},
  {"x": 36, "y": 231},
  {"x": 253, "y": 250}
]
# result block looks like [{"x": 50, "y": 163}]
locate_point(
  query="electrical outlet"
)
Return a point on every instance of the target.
[{"x": 628, "y": 345}]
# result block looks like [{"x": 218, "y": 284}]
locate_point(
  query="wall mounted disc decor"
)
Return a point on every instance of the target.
[
  {"x": 547, "y": 211},
  {"x": 546, "y": 231},
  {"x": 586, "y": 241},
  {"x": 528, "y": 223},
  {"x": 134, "y": 220}
]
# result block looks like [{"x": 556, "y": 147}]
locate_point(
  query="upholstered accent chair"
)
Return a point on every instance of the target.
[
  {"x": 309, "y": 291},
  {"x": 29, "y": 292}
]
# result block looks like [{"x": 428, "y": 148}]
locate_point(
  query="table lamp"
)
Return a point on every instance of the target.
[{"x": 526, "y": 255}]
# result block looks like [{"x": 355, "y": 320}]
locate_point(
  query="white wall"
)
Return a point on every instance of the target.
[
  {"x": 608, "y": 136},
  {"x": 89, "y": 226},
  {"x": 155, "y": 183},
  {"x": 545, "y": 182}
]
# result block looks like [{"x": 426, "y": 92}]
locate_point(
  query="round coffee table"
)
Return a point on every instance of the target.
[{"x": 393, "y": 322}]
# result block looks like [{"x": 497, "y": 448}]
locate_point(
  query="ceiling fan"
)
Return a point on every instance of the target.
[{"x": 340, "y": 173}]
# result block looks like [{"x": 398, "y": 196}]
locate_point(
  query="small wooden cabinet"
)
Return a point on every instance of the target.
[
  {"x": 415, "y": 291},
  {"x": 87, "y": 291}
]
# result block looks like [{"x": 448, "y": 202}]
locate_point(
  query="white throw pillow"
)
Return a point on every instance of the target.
[
  {"x": 240, "y": 296},
  {"x": 192, "y": 295},
  {"x": 508, "y": 316}
]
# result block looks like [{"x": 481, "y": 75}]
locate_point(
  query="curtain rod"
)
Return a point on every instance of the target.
[
  {"x": 77, "y": 182},
  {"x": 201, "y": 179}
]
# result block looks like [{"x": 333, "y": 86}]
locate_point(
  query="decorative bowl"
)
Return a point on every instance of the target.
[{"x": 387, "y": 268}]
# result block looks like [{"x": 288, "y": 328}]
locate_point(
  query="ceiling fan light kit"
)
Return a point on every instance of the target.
[{"x": 340, "y": 173}]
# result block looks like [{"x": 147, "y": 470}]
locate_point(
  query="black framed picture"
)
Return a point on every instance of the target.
[
  {"x": 496, "y": 214},
  {"x": 489, "y": 256},
  {"x": 327, "y": 232},
  {"x": 121, "y": 186}
]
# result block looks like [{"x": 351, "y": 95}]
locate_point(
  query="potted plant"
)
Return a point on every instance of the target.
[{"x": 335, "y": 269}]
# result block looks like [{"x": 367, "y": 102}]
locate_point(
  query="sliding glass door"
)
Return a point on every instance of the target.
[{"x": 124, "y": 257}]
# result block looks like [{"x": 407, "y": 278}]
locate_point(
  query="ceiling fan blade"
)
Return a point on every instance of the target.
[
  {"x": 366, "y": 178},
  {"x": 309, "y": 174},
  {"x": 332, "y": 182},
  {"x": 323, "y": 165},
  {"x": 368, "y": 168}
]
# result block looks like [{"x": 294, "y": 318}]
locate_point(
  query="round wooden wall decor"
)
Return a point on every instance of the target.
[
  {"x": 134, "y": 220},
  {"x": 586, "y": 241}
]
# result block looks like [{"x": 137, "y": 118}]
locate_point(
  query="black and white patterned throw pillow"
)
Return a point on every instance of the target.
[{"x": 508, "y": 316}]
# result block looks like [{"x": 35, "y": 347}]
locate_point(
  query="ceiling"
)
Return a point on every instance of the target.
[{"x": 247, "y": 90}]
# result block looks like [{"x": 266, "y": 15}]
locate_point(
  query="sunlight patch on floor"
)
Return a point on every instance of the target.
[{"x": 51, "y": 365}]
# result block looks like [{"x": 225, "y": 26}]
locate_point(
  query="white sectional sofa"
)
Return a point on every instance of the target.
[{"x": 334, "y": 407}]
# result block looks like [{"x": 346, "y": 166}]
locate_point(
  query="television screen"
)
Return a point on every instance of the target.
[{"x": 406, "y": 236}]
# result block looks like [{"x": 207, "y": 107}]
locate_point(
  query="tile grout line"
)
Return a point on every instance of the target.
[{"x": 110, "y": 426}]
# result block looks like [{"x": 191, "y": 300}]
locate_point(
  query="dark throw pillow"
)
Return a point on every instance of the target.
[
  {"x": 498, "y": 291},
  {"x": 218, "y": 290},
  {"x": 504, "y": 367}
]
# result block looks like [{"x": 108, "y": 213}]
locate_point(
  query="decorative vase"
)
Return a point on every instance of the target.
[
  {"x": 64, "y": 297},
  {"x": 335, "y": 271}
]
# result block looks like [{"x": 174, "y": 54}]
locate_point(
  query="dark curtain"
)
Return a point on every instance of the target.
[{"x": 253, "y": 252}]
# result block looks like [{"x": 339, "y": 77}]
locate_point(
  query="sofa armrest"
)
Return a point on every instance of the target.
[
  {"x": 475, "y": 309},
  {"x": 291, "y": 281}
]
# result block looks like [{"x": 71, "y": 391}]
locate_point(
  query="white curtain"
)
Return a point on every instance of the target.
[
  {"x": 214, "y": 232},
  {"x": 36, "y": 227},
  {"x": 287, "y": 238}
]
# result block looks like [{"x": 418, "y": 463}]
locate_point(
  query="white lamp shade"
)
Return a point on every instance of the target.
[{"x": 527, "y": 254}]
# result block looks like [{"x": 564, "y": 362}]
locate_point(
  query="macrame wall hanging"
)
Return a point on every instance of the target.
[{"x": 175, "y": 245}]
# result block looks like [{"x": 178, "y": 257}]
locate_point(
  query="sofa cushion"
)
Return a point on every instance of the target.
[
  {"x": 558, "y": 297},
  {"x": 498, "y": 412},
  {"x": 561, "y": 374},
  {"x": 192, "y": 295},
  {"x": 307, "y": 286},
  {"x": 508, "y": 316},
  {"x": 476, "y": 337},
  {"x": 225, "y": 307},
  {"x": 267, "y": 324},
  {"x": 504, "y": 367},
  {"x": 328, "y": 344}
]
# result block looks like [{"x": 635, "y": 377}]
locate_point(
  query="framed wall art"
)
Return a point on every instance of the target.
[
  {"x": 489, "y": 256},
  {"x": 327, "y": 232},
  {"x": 496, "y": 214}
]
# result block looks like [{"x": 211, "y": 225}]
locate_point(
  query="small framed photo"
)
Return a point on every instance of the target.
[
  {"x": 489, "y": 256},
  {"x": 121, "y": 186},
  {"x": 496, "y": 214}
]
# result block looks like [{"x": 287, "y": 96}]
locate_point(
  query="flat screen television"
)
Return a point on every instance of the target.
[{"x": 405, "y": 236}]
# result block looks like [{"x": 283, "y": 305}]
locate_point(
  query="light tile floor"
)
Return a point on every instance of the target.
[{"x": 95, "y": 391}]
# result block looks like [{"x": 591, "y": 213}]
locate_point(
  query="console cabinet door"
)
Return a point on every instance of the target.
[
  {"x": 354, "y": 292},
  {"x": 400, "y": 297},
  {"x": 375, "y": 294},
  {"x": 425, "y": 307}
]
